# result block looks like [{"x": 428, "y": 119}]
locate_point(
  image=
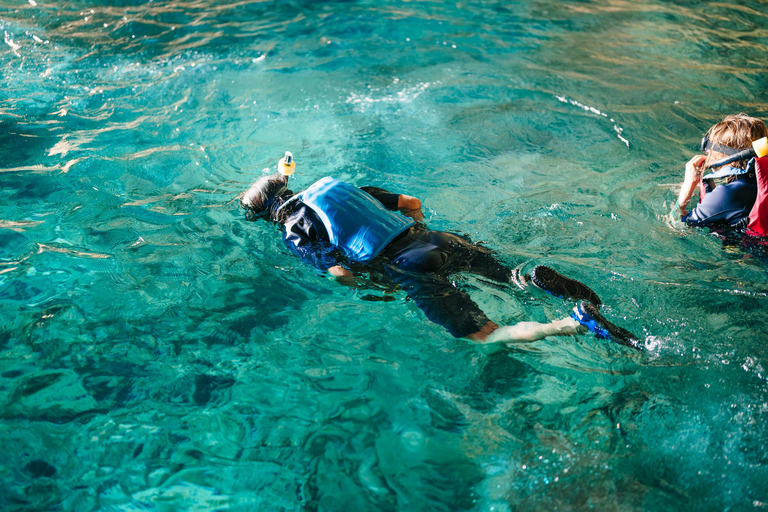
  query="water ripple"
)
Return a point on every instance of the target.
[{"x": 157, "y": 350}]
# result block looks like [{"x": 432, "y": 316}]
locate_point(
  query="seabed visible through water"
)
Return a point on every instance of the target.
[{"x": 157, "y": 352}]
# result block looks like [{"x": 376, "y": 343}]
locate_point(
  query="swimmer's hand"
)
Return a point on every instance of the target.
[
  {"x": 693, "y": 172},
  {"x": 411, "y": 207},
  {"x": 342, "y": 275}
]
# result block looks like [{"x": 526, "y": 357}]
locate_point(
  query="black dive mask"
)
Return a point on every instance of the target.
[
  {"x": 277, "y": 202},
  {"x": 707, "y": 144},
  {"x": 734, "y": 154}
]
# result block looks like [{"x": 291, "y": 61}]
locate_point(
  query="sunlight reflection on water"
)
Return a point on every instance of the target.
[{"x": 158, "y": 352}]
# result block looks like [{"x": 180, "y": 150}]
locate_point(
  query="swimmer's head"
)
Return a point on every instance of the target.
[
  {"x": 266, "y": 195},
  {"x": 735, "y": 133}
]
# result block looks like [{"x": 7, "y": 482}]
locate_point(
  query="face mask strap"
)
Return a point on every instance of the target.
[
  {"x": 707, "y": 144},
  {"x": 277, "y": 206}
]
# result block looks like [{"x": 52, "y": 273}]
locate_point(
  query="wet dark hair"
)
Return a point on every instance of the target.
[{"x": 265, "y": 195}]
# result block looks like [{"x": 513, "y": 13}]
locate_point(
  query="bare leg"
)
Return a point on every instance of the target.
[{"x": 525, "y": 332}]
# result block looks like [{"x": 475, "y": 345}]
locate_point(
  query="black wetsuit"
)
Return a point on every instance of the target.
[
  {"x": 419, "y": 260},
  {"x": 725, "y": 205}
]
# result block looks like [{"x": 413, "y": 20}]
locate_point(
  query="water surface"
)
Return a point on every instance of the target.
[{"x": 159, "y": 353}]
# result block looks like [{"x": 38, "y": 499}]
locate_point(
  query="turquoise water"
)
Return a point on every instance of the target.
[{"x": 159, "y": 353}]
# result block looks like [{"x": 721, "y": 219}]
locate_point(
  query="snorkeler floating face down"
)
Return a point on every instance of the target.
[{"x": 343, "y": 229}]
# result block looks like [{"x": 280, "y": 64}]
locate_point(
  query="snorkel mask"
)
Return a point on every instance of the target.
[{"x": 759, "y": 148}]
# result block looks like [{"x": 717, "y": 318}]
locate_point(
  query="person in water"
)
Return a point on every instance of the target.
[
  {"x": 729, "y": 203},
  {"x": 342, "y": 229}
]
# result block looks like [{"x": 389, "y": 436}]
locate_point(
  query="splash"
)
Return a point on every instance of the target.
[{"x": 14, "y": 47}]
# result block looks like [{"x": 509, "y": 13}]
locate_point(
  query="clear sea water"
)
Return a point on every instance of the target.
[{"x": 157, "y": 352}]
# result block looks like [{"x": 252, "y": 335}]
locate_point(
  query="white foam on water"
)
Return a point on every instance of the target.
[
  {"x": 406, "y": 95},
  {"x": 14, "y": 47},
  {"x": 618, "y": 129}
]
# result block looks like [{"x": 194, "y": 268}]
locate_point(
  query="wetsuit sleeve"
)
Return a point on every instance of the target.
[
  {"x": 388, "y": 199},
  {"x": 306, "y": 237},
  {"x": 724, "y": 204}
]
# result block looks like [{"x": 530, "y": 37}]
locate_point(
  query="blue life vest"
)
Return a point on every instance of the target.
[{"x": 356, "y": 223}]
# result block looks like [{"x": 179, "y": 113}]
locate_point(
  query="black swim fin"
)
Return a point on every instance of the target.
[
  {"x": 588, "y": 316},
  {"x": 558, "y": 285}
]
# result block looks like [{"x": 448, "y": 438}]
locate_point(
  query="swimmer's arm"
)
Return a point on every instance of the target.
[
  {"x": 410, "y": 206},
  {"x": 339, "y": 271},
  {"x": 342, "y": 275},
  {"x": 407, "y": 205},
  {"x": 693, "y": 171}
]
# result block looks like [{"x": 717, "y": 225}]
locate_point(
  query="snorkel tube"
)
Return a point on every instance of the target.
[
  {"x": 287, "y": 165},
  {"x": 759, "y": 148}
]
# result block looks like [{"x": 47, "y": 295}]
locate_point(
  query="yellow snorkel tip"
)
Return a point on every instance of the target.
[
  {"x": 287, "y": 165},
  {"x": 761, "y": 147}
]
